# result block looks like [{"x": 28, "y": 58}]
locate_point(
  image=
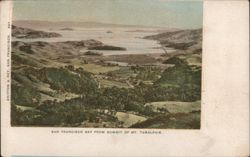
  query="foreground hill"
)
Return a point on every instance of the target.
[{"x": 172, "y": 121}]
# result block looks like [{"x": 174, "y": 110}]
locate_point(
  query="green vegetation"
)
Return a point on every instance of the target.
[
  {"x": 64, "y": 91},
  {"x": 26, "y": 49},
  {"x": 107, "y": 84},
  {"x": 140, "y": 73},
  {"x": 96, "y": 69},
  {"x": 180, "y": 46},
  {"x": 178, "y": 83},
  {"x": 123, "y": 72},
  {"x": 24, "y": 96},
  {"x": 148, "y": 73},
  {"x": 185, "y": 87},
  {"x": 91, "y": 53},
  {"x": 17, "y": 59},
  {"x": 172, "y": 121},
  {"x": 186, "y": 80},
  {"x": 64, "y": 80}
]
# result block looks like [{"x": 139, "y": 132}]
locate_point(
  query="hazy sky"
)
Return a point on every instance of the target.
[{"x": 179, "y": 14}]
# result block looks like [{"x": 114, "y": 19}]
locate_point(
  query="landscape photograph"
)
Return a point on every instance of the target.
[{"x": 106, "y": 64}]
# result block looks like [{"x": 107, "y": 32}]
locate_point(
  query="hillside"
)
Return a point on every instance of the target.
[
  {"x": 172, "y": 121},
  {"x": 57, "y": 49},
  {"x": 19, "y": 32},
  {"x": 54, "y": 49},
  {"x": 182, "y": 39}
]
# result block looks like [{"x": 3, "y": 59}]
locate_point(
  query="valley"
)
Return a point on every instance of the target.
[{"x": 106, "y": 79}]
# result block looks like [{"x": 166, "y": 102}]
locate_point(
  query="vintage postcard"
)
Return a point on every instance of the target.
[
  {"x": 106, "y": 64},
  {"x": 124, "y": 78}
]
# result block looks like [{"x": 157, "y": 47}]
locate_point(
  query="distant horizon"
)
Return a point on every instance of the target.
[
  {"x": 96, "y": 22},
  {"x": 151, "y": 13}
]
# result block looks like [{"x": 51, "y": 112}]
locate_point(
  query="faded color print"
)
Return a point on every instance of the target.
[{"x": 106, "y": 64}]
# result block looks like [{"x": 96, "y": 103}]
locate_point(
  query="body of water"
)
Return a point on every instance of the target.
[{"x": 130, "y": 39}]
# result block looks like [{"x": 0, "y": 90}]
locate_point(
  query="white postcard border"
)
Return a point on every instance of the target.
[{"x": 225, "y": 102}]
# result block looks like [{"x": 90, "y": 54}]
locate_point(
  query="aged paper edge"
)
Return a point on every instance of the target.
[{"x": 225, "y": 102}]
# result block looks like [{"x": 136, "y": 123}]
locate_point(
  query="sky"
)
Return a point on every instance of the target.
[{"x": 163, "y": 13}]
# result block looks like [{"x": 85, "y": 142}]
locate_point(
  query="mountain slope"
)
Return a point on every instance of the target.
[
  {"x": 19, "y": 32},
  {"x": 182, "y": 39}
]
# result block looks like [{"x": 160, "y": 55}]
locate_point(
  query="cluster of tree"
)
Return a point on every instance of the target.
[
  {"x": 174, "y": 121},
  {"x": 148, "y": 73},
  {"x": 64, "y": 80},
  {"x": 25, "y": 91},
  {"x": 24, "y": 96},
  {"x": 56, "y": 115},
  {"x": 27, "y": 49},
  {"x": 179, "y": 83},
  {"x": 186, "y": 93},
  {"x": 18, "y": 59},
  {"x": 77, "y": 110},
  {"x": 145, "y": 73}
]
